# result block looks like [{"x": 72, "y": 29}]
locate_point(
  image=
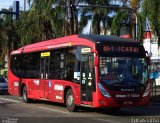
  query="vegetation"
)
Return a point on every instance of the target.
[
  {"x": 47, "y": 19},
  {"x": 151, "y": 12},
  {"x": 129, "y": 18},
  {"x": 99, "y": 17}
]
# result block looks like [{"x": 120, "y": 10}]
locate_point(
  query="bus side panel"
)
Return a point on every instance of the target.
[
  {"x": 13, "y": 84},
  {"x": 76, "y": 92},
  {"x": 57, "y": 90},
  {"x": 97, "y": 96},
  {"x": 32, "y": 87},
  {"x": 98, "y": 99}
]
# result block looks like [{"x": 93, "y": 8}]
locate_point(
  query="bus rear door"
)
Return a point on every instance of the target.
[
  {"x": 86, "y": 78},
  {"x": 44, "y": 75}
]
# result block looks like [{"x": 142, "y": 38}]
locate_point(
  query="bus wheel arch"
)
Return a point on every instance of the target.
[
  {"x": 69, "y": 99},
  {"x": 24, "y": 94}
]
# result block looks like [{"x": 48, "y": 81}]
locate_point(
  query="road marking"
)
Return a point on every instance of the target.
[
  {"x": 104, "y": 120},
  {"x": 10, "y": 100},
  {"x": 19, "y": 97},
  {"x": 54, "y": 110}
]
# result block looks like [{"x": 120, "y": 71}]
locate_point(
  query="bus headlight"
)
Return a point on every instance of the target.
[
  {"x": 146, "y": 92},
  {"x": 103, "y": 90}
]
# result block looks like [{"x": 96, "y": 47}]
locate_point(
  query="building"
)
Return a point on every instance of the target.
[{"x": 150, "y": 43}]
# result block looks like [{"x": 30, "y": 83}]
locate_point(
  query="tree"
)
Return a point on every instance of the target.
[
  {"x": 41, "y": 22},
  {"x": 151, "y": 11},
  {"x": 100, "y": 21},
  {"x": 130, "y": 17},
  {"x": 3, "y": 41},
  {"x": 69, "y": 13},
  {"x": 8, "y": 38}
]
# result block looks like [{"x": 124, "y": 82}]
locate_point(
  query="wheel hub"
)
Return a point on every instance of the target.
[{"x": 70, "y": 100}]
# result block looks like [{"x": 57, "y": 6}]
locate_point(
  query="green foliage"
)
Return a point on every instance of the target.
[
  {"x": 8, "y": 35},
  {"x": 151, "y": 11},
  {"x": 100, "y": 21},
  {"x": 118, "y": 21},
  {"x": 2, "y": 64},
  {"x": 39, "y": 23},
  {"x": 48, "y": 19},
  {"x": 127, "y": 18}
]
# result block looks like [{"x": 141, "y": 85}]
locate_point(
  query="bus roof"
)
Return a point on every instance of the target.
[
  {"x": 66, "y": 41},
  {"x": 107, "y": 39},
  {"x": 72, "y": 40}
]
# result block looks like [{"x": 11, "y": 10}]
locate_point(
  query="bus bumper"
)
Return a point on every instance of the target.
[{"x": 128, "y": 102}]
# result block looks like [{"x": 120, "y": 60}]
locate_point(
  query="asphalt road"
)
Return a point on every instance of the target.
[{"x": 13, "y": 110}]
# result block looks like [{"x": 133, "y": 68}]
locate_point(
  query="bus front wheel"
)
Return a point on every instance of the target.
[
  {"x": 24, "y": 95},
  {"x": 70, "y": 101}
]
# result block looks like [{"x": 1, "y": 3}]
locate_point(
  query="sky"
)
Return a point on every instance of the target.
[{"x": 7, "y": 3}]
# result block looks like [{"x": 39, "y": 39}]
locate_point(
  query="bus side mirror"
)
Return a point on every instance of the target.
[
  {"x": 96, "y": 60},
  {"x": 148, "y": 59}
]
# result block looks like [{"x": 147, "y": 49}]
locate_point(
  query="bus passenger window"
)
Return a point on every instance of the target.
[{"x": 62, "y": 64}]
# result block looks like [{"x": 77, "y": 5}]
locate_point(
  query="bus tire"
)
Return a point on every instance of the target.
[
  {"x": 24, "y": 95},
  {"x": 70, "y": 101}
]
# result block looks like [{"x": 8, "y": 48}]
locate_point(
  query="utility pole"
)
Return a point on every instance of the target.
[
  {"x": 15, "y": 10},
  {"x": 24, "y": 5}
]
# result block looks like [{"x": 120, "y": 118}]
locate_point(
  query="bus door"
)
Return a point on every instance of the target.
[
  {"x": 44, "y": 75},
  {"x": 87, "y": 77}
]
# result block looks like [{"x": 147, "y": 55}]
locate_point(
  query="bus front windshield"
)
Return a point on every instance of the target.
[{"x": 123, "y": 71}]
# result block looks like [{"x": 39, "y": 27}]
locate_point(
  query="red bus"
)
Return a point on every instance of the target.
[{"x": 81, "y": 70}]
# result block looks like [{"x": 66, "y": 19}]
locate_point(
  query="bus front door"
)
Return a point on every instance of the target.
[
  {"x": 86, "y": 78},
  {"x": 44, "y": 74}
]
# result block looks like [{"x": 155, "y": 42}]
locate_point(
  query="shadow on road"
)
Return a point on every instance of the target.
[
  {"x": 4, "y": 93},
  {"x": 133, "y": 111}
]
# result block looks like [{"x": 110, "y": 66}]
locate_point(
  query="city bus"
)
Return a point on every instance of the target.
[{"x": 96, "y": 71}]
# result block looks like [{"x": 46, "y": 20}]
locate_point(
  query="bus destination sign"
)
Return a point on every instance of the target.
[{"x": 115, "y": 48}]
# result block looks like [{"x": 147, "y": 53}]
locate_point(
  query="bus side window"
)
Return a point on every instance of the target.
[
  {"x": 14, "y": 64},
  {"x": 62, "y": 64},
  {"x": 69, "y": 66},
  {"x": 32, "y": 65},
  {"x": 54, "y": 65}
]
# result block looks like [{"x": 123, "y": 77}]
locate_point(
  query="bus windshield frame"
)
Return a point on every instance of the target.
[{"x": 123, "y": 71}]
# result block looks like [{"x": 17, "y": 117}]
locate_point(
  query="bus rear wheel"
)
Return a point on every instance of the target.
[
  {"x": 24, "y": 95},
  {"x": 70, "y": 101}
]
